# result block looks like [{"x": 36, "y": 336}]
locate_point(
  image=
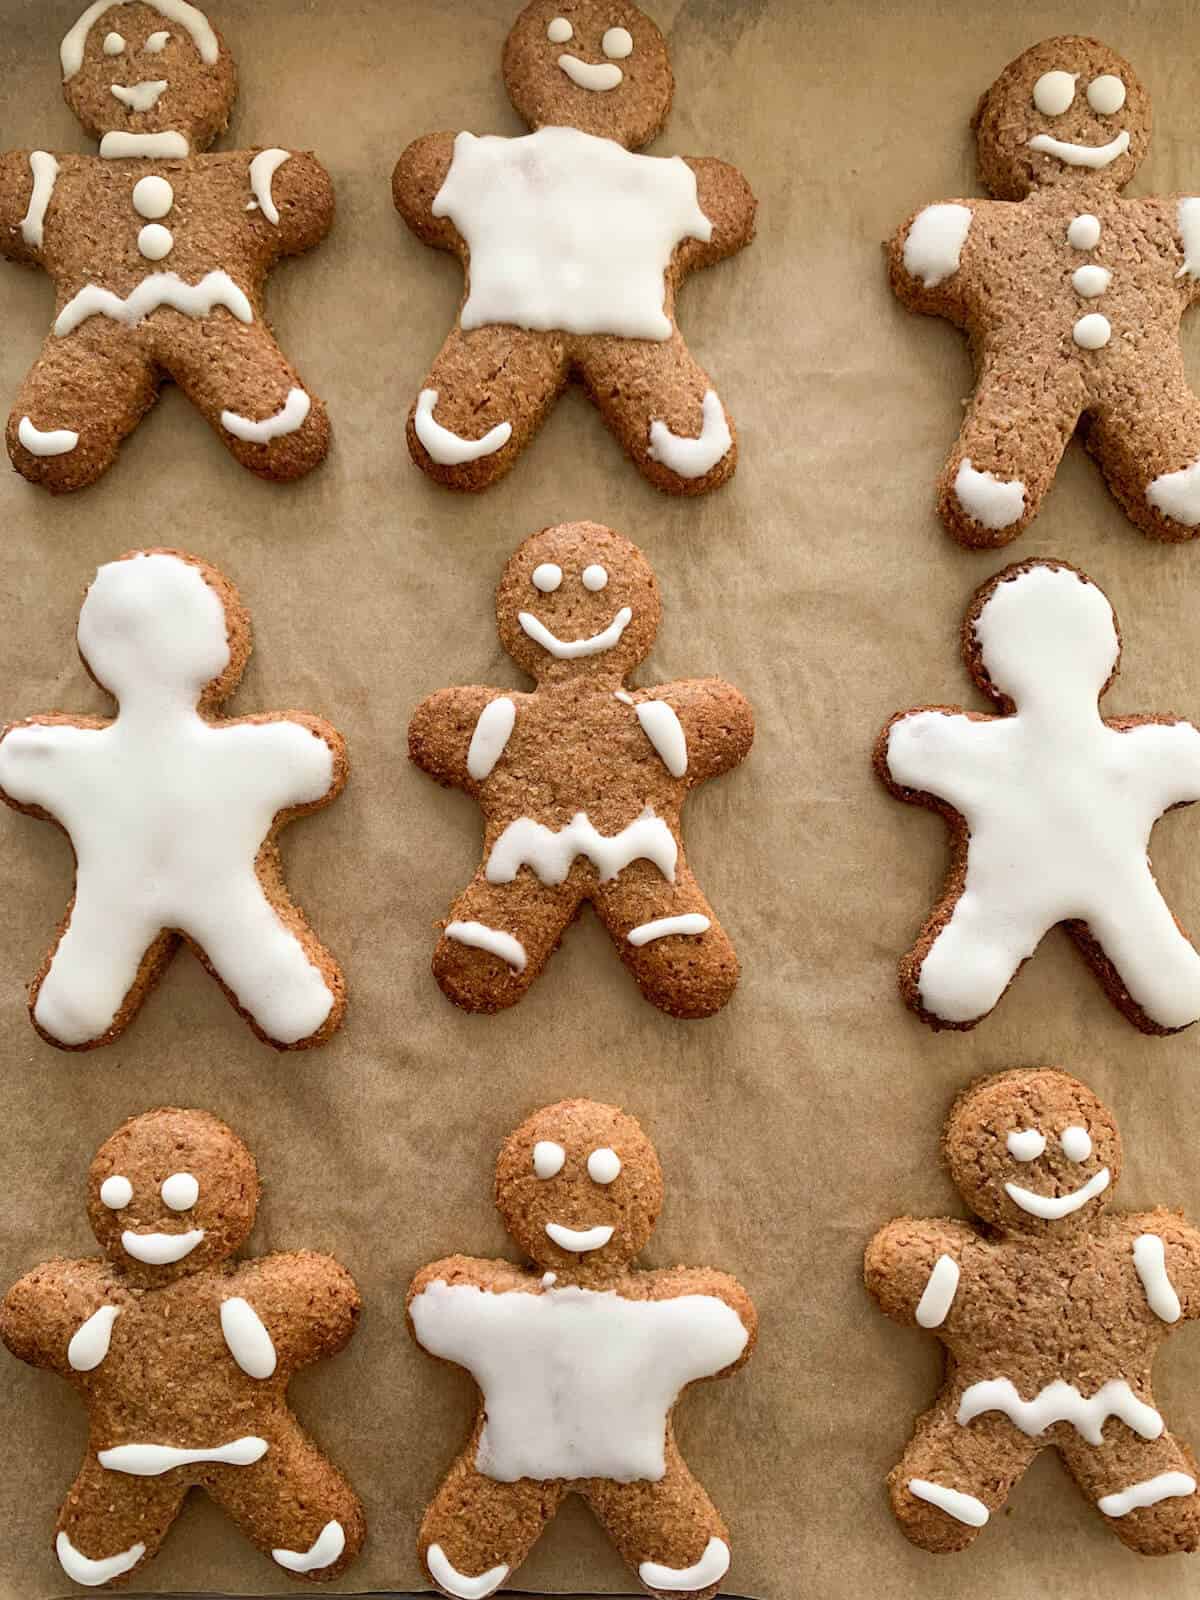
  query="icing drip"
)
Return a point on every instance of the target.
[{"x": 550, "y": 854}]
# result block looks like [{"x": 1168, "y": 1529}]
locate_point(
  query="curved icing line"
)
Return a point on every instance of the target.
[
  {"x": 323, "y": 1552},
  {"x": 1166, "y": 1486},
  {"x": 287, "y": 419},
  {"x": 458, "y": 1583},
  {"x": 579, "y": 1240},
  {"x": 1080, "y": 155},
  {"x": 1052, "y": 1207},
  {"x": 90, "y": 1341},
  {"x": 1061, "y": 1402},
  {"x": 53, "y": 442},
  {"x": 600, "y": 76},
  {"x": 494, "y": 940},
  {"x": 1150, "y": 1263},
  {"x": 450, "y": 449},
  {"x": 711, "y": 1567},
  {"x": 152, "y": 1460},
  {"x": 81, "y": 1569},
  {"x": 962, "y": 1507},
  {"x": 158, "y": 289},
  {"x": 44, "y": 168},
  {"x": 142, "y": 96},
  {"x": 262, "y": 169},
  {"x": 691, "y": 922},
  {"x": 160, "y": 1249},
  {"x": 572, "y": 649},
  {"x": 189, "y": 17},
  {"x": 691, "y": 457}
]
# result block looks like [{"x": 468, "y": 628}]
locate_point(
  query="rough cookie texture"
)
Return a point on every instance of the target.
[
  {"x": 1051, "y": 1314},
  {"x": 580, "y": 1359},
  {"x": 158, "y": 255},
  {"x": 582, "y": 782},
  {"x": 573, "y": 249},
  {"x": 1072, "y": 297},
  {"x": 174, "y": 814},
  {"x": 182, "y": 1357},
  {"x": 1050, "y": 808}
]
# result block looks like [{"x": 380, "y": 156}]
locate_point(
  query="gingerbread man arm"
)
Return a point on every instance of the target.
[
  {"x": 716, "y": 722},
  {"x": 1174, "y": 223},
  {"x": 43, "y": 1312},
  {"x": 298, "y": 189},
  {"x": 1164, "y": 753},
  {"x": 931, "y": 751},
  {"x": 442, "y": 729},
  {"x": 30, "y": 778},
  {"x": 19, "y": 241},
  {"x": 675, "y": 1282},
  {"x": 728, "y": 202},
  {"x": 903, "y": 1267},
  {"x": 416, "y": 180},
  {"x": 928, "y": 255},
  {"x": 298, "y": 753},
  {"x": 308, "y": 1303}
]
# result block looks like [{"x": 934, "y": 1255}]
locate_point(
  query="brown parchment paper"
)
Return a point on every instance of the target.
[{"x": 819, "y": 582}]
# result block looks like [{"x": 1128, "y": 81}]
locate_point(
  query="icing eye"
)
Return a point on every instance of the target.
[
  {"x": 1026, "y": 1144},
  {"x": 180, "y": 1191},
  {"x": 157, "y": 42},
  {"x": 1076, "y": 1143},
  {"x": 1053, "y": 92},
  {"x": 113, "y": 44},
  {"x": 548, "y": 1158},
  {"x": 116, "y": 1192},
  {"x": 547, "y": 577},
  {"x": 559, "y": 31},
  {"x": 617, "y": 43},
  {"x": 594, "y": 577},
  {"x": 604, "y": 1165},
  {"x": 1106, "y": 94}
]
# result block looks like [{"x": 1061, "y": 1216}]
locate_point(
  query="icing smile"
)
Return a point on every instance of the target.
[
  {"x": 600, "y": 76},
  {"x": 160, "y": 1249},
  {"x": 1081, "y": 155},
  {"x": 1052, "y": 1207},
  {"x": 573, "y": 649},
  {"x": 579, "y": 1241}
]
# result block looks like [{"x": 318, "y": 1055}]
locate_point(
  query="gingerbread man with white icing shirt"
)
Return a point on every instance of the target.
[
  {"x": 580, "y": 1360},
  {"x": 582, "y": 783},
  {"x": 158, "y": 254},
  {"x": 574, "y": 247},
  {"x": 1072, "y": 296},
  {"x": 183, "y": 1358},
  {"x": 1051, "y": 1315}
]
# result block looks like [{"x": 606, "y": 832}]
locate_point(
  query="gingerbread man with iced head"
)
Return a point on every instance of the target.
[
  {"x": 1072, "y": 296},
  {"x": 574, "y": 247},
  {"x": 158, "y": 254},
  {"x": 183, "y": 1357},
  {"x": 582, "y": 783},
  {"x": 580, "y": 1360},
  {"x": 1051, "y": 1315}
]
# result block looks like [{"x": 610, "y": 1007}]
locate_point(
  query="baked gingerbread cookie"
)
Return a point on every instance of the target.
[
  {"x": 183, "y": 1356},
  {"x": 574, "y": 248},
  {"x": 158, "y": 254},
  {"x": 1072, "y": 296},
  {"x": 582, "y": 783},
  {"x": 1050, "y": 807},
  {"x": 173, "y": 813},
  {"x": 1051, "y": 1313},
  {"x": 580, "y": 1359}
]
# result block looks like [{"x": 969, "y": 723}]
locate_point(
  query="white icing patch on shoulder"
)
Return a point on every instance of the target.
[
  {"x": 450, "y": 449},
  {"x": 491, "y": 736},
  {"x": 691, "y": 922},
  {"x": 933, "y": 249},
  {"x": 216, "y": 288},
  {"x": 494, "y": 940},
  {"x": 1166, "y": 1486},
  {"x": 458, "y": 1583},
  {"x": 186, "y": 16},
  {"x": 1177, "y": 495},
  {"x": 44, "y": 168},
  {"x": 249, "y": 1343},
  {"x": 91, "y": 1574},
  {"x": 711, "y": 1568},
  {"x": 664, "y": 730},
  {"x": 323, "y": 1552},
  {"x": 51, "y": 442},
  {"x": 689, "y": 457},
  {"x": 90, "y": 1341},
  {"x": 263, "y": 168},
  {"x": 288, "y": 419},
  {"x": 1150, "y": 1260},
  {"x": 934, "y": 1305},
  {"x": 962, "y": 1507},
  {"x": 990, "y": 500}
]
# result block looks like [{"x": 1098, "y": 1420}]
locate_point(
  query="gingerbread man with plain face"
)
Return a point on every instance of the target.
[
  {"x": 1051, "y": 1315},
  {"x": 1072, "y": 296},
  {"x": 183, "y": 1357},
  {"x": 580, "y": 1360},
  {"x": 158, "y": 254},
  {"x": 582, "y": 783},
  {"x": 574, "y": 248}
]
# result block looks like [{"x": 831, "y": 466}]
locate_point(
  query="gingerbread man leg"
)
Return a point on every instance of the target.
[
  {"x": 951, "y": 1479},
  {"x": 661, "y": 404},
  {"x": 1140, "y": 939},
  {"x": 1145, "y": 1488},
  {"x": 99, "y": 959},
  {"x": 966, "y": 967},
  {"x": 477, "y": 1531},
  {"x": 499, "y": 936},
  {"x": 668, "y": 1531},
  {"x": 84, "y": 394},
  {"x": 1148, "y": 447},
  {"x": 486, "y": 395},
  {"x": 669, "y": 938},
  {"x": 252, "y": 396},
  {"x": 100, "y": 1500}
]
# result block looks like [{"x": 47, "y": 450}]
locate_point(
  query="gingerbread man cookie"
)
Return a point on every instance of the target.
[
  {"x": 582, "y": 783},
  {"x": 173, "y": 813},
  {"x": 574, "y": 248},
  {"x": 1072, "y": 297},
  {"x": 1050, "y": 807},
  {"x": 158, "y": 254},
  {"x": 1051, "y": 1315},
  {"x": 183, "y": 1357},
  {"x": 580, "y": 1360}
]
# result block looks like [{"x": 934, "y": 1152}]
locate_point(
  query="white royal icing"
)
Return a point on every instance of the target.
[
  {"x": 550, "y": 854},
  {"x": 121, "y": 146},
  {"x": 604, "y": 1166},
  {"x": 1166, "y": 1486},
  {"x": 711, "y": 1567},
  {"x": 624, "y": 696},
  {"x": 617, "y": 43},
  {"x": 186, "y": 16},
  {"x": 180, "y": 1191},
  {"x": 323, "y": 1552},
  {"x": 44, "y": 168},
  {"x": 81, "y": 1569},
  {"x": 1053, "y": 1207},
  {"x": 160, "y": 1249},
  {"x": 1062, "y": 1402},
  {"x": 90, "y": 1341},
  {"x": 1189, "y": 231},
  {"x": 934, "y": 245},
  {"x": 152, "y": 1460},
  {"x": 287, "y": 419},
  {"x": 594, "y": 578},
  {"x": 496, "y": 942},
  {"x": 692, "y": 457},
  {"x": 962, "y": 1507},
  {"x": 1149, "y": 1259},
  {"x": 167, "y": 812},
  {"x": 263, "y": 168},
  {"x": 1083, "y": 233},
  {"x": 1092, "y": 332},
  {"x": 1106, "y": 94},
  {"x": 1066, "y": 798},
  {"x": 491, "y": 735},
  {"x": 1054, "y": 91},
  {"x": 451, "y": 1579},
  {"x": 448, "y": 448},
  {"x": 157, "y": 41},
  {"x": 547, "y": 576},
  {"x": 1090, "y": 281},
  {"x": 1177, "y": 494},
  {"x": 51, "y": 442},
  {"x": 248, "y": 1341},
  {"x": 153, "y": 197},
  {"x": 1081, "y": 155},
  {"x": 942, "y": 1285},
  {"x": 549, "y": 1159},
  {"x": 574, "y": 649},
  {"x": 113, "y": 44},
  {"x": 116, "y": 1192},
  {"x": 994, "y": 502},
  {"x": 1076, "y": 1143},
  {"x": 691, "y": 922},
  {"x": 579, "y": 1241},
  {"x": 569, "y": 231},
  {"x": 665, "y": 732},
  {"x": 216, "y": 288},
  {"x": 155, "y": 242},
  {"x": 577, "y": 1383},
  {"x": 559, "y": 31},
  {"x": 599, "y": 76},
  {"x": 1026, "y": 1144},
  {"x": 139, "y": 96}
]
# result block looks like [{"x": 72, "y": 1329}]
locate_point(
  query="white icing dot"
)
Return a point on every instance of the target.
[
  {"x": 1076, "y": 1143},
  {"x": 1090, "y": 281},
  {"x": 113, "y": 44},
  {"x": 180, "y": 1191},
  {"x": 594, "y": 577},
  {"x": 157, "y": 42},
  {"x": 153, "y": 197},
  {"x": 1106, "y": 94},
  {"x": 1092, "y": 332},
  {"x": 155, "y": 241},
  {"x": 548, "y": 1158},
  {"x": 547, "y": 577},
  {"x": 116, "y": 1192},
  {"x": 1026, "y": 1144},
  {"x": 1053, "y": 92},
  {"x": 604, "y": 1165},
  {"x": 617, "y": 43},
  {"x": 559, "y": 31},
  {"x": 1084, "y": 232}
]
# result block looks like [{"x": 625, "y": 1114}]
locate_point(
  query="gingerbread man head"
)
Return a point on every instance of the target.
[
  {"x": 594, "y": 612},
  {"x": 578, "y": 1185},
  {"x": 170, "y": 1193},
  {"x": 1053, "y": 642},
  {"x": 1068, "y": 111},
  {"x": 153, "y": 67},
  {"x": 1033, "y": 1152},
  {"x": 597, "y": 65}
]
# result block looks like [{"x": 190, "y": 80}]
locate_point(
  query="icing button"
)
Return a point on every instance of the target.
[
  {"x": 1092, "y": 332},
  {"x": 153, "y": 197},
  {"x": 1084, "y": 231},
  {"x": 155, "y": 241}
]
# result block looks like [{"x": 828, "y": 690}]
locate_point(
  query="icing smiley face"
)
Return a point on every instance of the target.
[
  {"x": 598, "y": 66},
  {"x": 1067, "y": 111},
  {"x": 579, "y": 1186}
]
